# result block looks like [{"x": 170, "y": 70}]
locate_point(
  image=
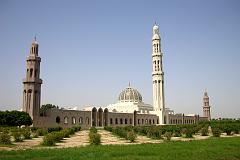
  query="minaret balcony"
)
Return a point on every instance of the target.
[
  {"x": 33, "y": 58},
  {"x": 32, "y": 80}
]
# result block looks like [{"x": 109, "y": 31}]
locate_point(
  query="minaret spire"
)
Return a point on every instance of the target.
[
  {"x": 32, "y": 83},
  {"x": 206, "y": 106},
  {"x": 158, "y": 76}
]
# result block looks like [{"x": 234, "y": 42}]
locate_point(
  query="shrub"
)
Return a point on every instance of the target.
[
  {"x": 177, "y": 134},
  {"x": 49, "y": 140},
  {"x": 57, "y": 136},
  {"x": 216, "y": 132},
  {"x": 154, "y": 133},
  {"x": 189, "y": 133},
  {"x": 228, "y": 129},
  {"x": 168, "y": 135},
  {"x": 77, "y": 128},
  {"x": 110, "y": 129},
  {"x": 5, "y": 138},
  {"x": 94, "y": 138},
  {"x": 53, "y": 129},
  {"x": 66, "y": 133},
  {"x": 131, "y": 135},
  {"x": 71, "y": 131},
  {"x": 41, "y": 132},
  {"x": 183, "y": 130},
  {"x": 93, "y": 130},
  {"x": 204, "y": 131},
  {"x": 17, "y": 136},
  {"x": 34, "y": 135},
  {"x": 26, "y": 134}
]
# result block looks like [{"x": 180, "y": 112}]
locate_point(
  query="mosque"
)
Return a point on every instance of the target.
[{"x": 130, "y": 108}]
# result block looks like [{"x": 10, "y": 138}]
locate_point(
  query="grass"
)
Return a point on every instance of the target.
[{"x": 210, "y": 149}]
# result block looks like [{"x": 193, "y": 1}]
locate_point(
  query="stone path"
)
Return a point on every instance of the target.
[{"x": 78, "y": 139}]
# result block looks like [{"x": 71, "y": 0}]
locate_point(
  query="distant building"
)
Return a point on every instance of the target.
[{"x": 129, "y": 109}]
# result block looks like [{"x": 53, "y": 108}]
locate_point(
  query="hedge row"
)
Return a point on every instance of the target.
[
  {"x": 123, "y": 132},
  {"x": 53, "y": 137},
  {"x": 94, "y": 137}
]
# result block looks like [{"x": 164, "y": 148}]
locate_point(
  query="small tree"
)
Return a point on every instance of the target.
[
  {"x": 131, "y": 135},
  {"x": 204, "y": 131},
  {"x": 5, "y": 138},
  {"x": 216, "y": 132},
  {"x": 168, "y": 135}
]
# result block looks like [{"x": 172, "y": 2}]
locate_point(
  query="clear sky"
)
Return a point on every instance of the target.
[{"x": 90, "y": 50}]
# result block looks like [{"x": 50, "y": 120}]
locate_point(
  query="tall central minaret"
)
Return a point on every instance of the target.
[
  {"x": 158, "y": 76},
  {"x": 32, "y": 83}
]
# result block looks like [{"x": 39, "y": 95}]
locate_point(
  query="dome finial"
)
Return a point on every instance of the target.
[
  {"x": 35, "y": 38},
  {"x": 129, "y": 84}
]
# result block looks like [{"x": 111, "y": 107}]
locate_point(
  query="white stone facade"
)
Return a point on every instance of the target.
[{"x": 129, "y": 109}]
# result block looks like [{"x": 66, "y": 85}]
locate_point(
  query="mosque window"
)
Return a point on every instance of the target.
[
  {"x": 142, "y": 121},
  {"x": 111, "y": 121},
  {"x": 36, "y": 72},
  {"x": 150, "y": 121},
  {"x": 80, "y": 120},
  {"x": 138, "y": 121},
  {"x": 31, "y": 72},
  {"x": 116, "y": 121},
  {"x": 153, "y": 121},
  {"x": 87, "y": 120},
  {"x": 58, "y": 119},
  {"x": 126, "y": 121},
  {"x": 65, "y": 120},
  {"x": 121, "y": 121},
  {"x": 73, "y": 120}
]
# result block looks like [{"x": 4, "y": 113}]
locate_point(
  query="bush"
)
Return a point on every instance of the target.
[
  {"x": 110, "y": 129},
  {"x": 216, "y": 132},
  {"x": 58, "y": 136},
  {"x": 228, "y": 129},
  {"x": 26, "y": 134},
  {"x": 154, "y": 133},
  {"x": 183, "y": 130},
  {"x": 204, "y": 131},
  {"x": 94, "y": 138},
  {"x": 41, "y": 132},
  {"x": 93, "y": 130},
  {"x": 189, "y": 133},
  {"x": 17, "y": 136},
  {"x": 177, "y": 134},
  {"x": 168, "y": 135},
  {"x": 53, "y": 129},
  {"x": 5, "y": 138},
  {"x": 77, "y": 128},
  {"x": 131, "y": 135},
  {"x": 34, "y": 135},
  {"x": 49, "y": 140}
]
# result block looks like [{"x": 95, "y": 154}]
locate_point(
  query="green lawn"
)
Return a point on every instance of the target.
[{"x": 213, "y": 148}]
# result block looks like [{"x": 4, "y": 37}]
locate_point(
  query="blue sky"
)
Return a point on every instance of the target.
[{"x": 90, "y": 50}]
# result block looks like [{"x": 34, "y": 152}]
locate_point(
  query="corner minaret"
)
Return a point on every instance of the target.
[
  {"x": 206, "y": 107},
  {"x": 158, "y": 76},
  {"x": 32, "y": 83}
]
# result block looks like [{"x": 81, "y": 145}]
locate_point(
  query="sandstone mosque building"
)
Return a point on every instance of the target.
[{"x": 129, "y": 110}]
